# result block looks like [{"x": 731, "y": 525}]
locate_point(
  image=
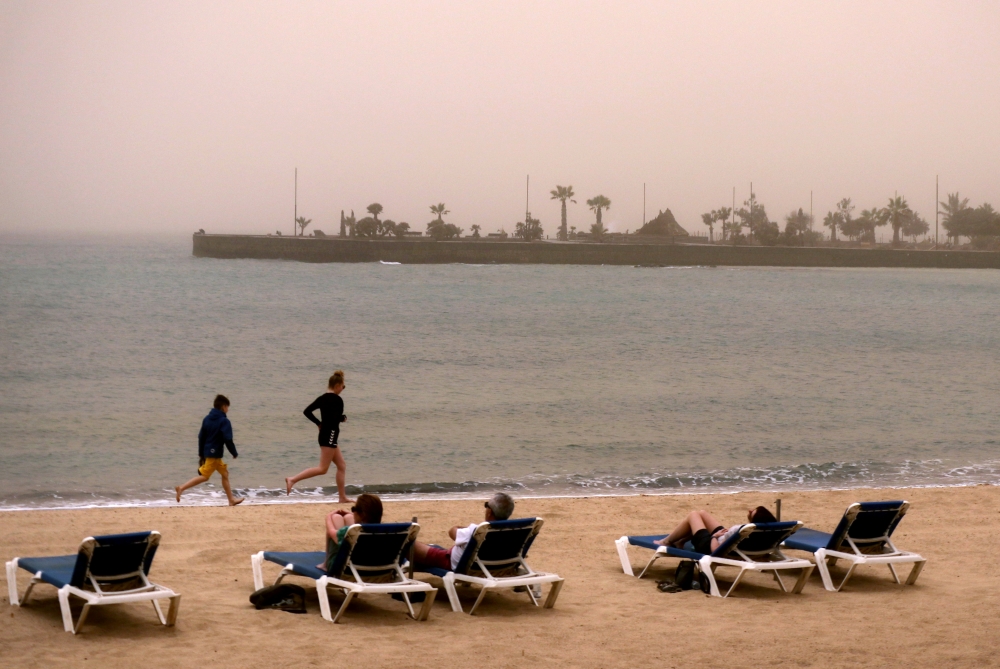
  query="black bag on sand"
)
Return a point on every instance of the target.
[
  {"x": 684, "y": 576},
  {"x": 284, "y": 596}
]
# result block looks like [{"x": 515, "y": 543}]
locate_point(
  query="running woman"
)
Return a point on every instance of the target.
[{"x": 331, "y": 411}]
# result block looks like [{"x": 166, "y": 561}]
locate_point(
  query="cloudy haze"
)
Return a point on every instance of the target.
[{"x": 168, "y": 117}]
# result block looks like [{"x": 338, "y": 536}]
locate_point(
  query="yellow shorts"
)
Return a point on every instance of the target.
[{"x": 213, "y": 465}]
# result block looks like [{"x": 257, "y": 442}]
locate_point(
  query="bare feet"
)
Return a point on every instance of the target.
[
  {"x": 288, "y": 486},
  {"x": 178, "y": 491},
  {"x": 238, "y": 500},
  {"x": 344, "y": 500}
]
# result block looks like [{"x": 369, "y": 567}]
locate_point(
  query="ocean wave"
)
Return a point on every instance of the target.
[{"x": 809, "y": 476}]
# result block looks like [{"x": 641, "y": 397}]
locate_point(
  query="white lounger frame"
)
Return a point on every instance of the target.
[
  {"x": 145, "y": 593},
  {"x": 826, "y": 558},
  {"x": 356, "y": 587},
  {"x": 530, "y": 579},
  {"x": 776, "y": 562}
]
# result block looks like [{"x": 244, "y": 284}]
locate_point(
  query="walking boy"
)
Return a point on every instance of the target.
[{"x": 216, "y": 431}]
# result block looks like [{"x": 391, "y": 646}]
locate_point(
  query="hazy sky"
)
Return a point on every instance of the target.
[{"x": 173, "y": 116}]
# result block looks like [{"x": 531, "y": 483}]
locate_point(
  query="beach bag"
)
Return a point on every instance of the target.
[
  {"x": 684, "y": 576},
  {"x": 284, "y": 596}
]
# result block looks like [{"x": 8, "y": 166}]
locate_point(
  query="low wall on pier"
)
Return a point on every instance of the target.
[{"x": 412, "y": 251}]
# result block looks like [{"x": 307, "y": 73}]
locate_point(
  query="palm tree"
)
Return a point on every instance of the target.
[
  {"x": 597, "y": 204},
  {"x": 832, "y": 220},
  {"x": 845, "y": 209},
  {"x": 563, "y": 193},
  {"x": 375, "y": 209},
  {"x": 439, "y": 210},
  {"x": 722, "y": 215},
  {"x": 869, "y": 220},
  {"x": 709, "y": 221},
  {"x": 951, "y": 209},
  {"x": 302, "y": 222},
  {"x": 796, "y": 223},
  {"x": 475, "y": 231},
  {"x": 897, "y": 213}
]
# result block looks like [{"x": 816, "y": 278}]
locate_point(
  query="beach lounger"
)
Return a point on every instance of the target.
[
  {"x": 112, "y": 569},
  {"x": 862, "y": 537},
  {"x": 495, "y": 558},
  {"x": 370, "y": 560},
  {"x": 756, "y": 547}
]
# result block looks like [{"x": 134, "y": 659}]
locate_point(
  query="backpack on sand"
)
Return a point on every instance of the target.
[{"x": 284, "y": 596}]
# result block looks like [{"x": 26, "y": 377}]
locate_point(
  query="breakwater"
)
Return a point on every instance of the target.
[{"x": 336, "y": 249}]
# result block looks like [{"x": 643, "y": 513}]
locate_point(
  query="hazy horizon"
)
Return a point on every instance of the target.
[{"x": 122, "y": 117}]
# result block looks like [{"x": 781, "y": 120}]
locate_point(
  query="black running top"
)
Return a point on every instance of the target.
[{"x": 331, "y": 411}]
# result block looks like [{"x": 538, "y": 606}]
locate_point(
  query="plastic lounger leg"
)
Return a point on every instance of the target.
[
  {"x": 343, "y": 607},
  {"x": 67, "y": 614},
  {"x": 429, "y": 598},
  {"x": 159, "y": 613},
  {"x": 449, "y": 587},
  {"x": 736, "y": 582},
  {"x": 256, "y": 562},
  {"x": 409, "y": 605},
  {"x": 656, "y": 556},
  {"x": 622, "y": 546},
  {"x": 803, "y": 579},
  {"x": 175, "y": 605},
  {"x": 82, "y": 618},
  {"x": 550, "y": 601},
  {"x": 324, "y": 598},
  {"x": 479, "y": 599},
  {"x": 915, "y": 572},
  {"x": 12, "y": 582},
  {"x": 895, "y": 576},
  {"x": 824, "y": 569},
  {"x": 781, "y": 584},
  {"x": 705, "y": 564}
]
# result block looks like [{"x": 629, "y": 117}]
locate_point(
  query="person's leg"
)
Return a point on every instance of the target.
[
  {"x": 190, "y": 484},
  {"x": 696, "y": 521},
  {"x": 233, "y": 501},
  {"x": 338, "y": 459},
  {"x": 325, "y": 457},
  {"x": 709, "y": 521},
  {"x": 684, "y": 530}
]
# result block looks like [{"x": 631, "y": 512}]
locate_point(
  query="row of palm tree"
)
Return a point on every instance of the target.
[{"x": 597, "y": 204}]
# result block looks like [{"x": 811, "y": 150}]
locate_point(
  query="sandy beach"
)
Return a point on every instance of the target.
[{"x": 602, "y": 619}]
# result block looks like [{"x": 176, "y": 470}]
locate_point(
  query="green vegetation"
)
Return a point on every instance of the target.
[
  {"x": 564, "y": 193},
  {"x": 597, "y": 204},
  {"x": 438, "y": 229},
  {"x": 749, "y": 224},
  {"x": 302, "y": 222},
  {"x": 529, "y": 230}
]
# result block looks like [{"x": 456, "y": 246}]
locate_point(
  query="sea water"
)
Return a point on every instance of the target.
[{"x": 462, "y": 379}]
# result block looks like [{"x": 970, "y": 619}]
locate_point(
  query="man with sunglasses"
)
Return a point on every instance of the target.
[{"x": 499, "y": 507}]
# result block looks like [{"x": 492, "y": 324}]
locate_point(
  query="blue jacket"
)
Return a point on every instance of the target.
[{"x": 216, "y": 430}]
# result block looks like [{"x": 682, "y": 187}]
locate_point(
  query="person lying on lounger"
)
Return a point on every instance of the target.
[
  {"x": 500, "y": 506},
  {"x": 704, "y": 533}
]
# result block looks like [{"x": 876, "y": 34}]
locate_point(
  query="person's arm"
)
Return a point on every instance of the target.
[
  {"x": 227, "y": 436},
  {"x": 308, "y": 412},
  {"x": 453, "y": 532}
]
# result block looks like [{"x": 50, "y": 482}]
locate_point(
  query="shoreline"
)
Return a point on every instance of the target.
[{"x": 455, "y": 497}]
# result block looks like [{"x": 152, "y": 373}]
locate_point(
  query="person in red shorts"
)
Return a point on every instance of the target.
[{"x": 499, "y": 507}]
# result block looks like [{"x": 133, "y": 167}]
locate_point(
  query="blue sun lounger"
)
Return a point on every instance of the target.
[
  {"x": 862, "y": 537},
  {"x": 495, "y": 558},
  {"x": 755, "y": 547},
  {"x": 370, "y": 560},
  {"x": 110, "y": 569}
]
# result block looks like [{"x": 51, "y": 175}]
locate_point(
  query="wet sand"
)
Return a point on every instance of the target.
[{"x": 603, "y": 618}]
